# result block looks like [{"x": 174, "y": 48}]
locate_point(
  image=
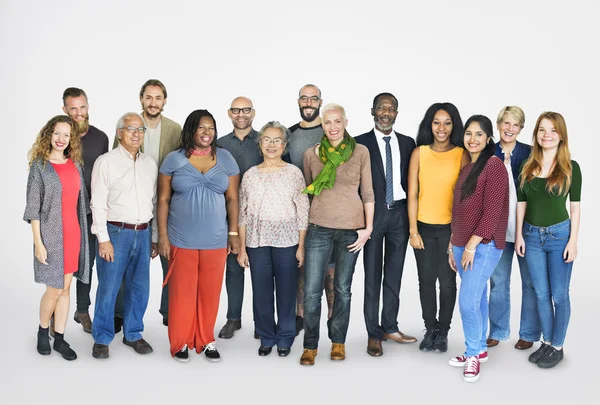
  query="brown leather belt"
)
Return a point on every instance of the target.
[{"x": 135, "y": 227}]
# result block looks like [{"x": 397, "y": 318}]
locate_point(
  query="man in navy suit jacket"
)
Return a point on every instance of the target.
[{"x": 390, "y": 153}]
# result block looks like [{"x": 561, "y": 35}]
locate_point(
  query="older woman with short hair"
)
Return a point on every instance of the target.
[{"x": 272, "y": 225}]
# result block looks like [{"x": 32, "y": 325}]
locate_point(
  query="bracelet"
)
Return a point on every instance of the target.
[
  {"x": 232, "y": 234},
  {"x": 449, "y": 251},
  {"x": 470, "y": 251}
]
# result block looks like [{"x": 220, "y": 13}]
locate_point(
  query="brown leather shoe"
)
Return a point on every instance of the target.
[
  {"x": 140, "y": 346},
  {"x": 399, "y": 337},
  {"x": 84, "y": 320},
  {"x": 492, "y": 342},
  {"x": 338, "y": 351},
  {"x": 374, "y": 347},
  {"x": 308, "y": 357},
  {"x": 100, "y": 351},
  {"x": 523, "y": 344}
]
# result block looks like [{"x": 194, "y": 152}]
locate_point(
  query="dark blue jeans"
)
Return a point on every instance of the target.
[
  {"x": 132, "y": 267},
  {"x": 234, "y": 283},
  {"x": 319, "y": 244},
  {"x": 274, "y": 274},
  {"x": 551, "y": 277}
]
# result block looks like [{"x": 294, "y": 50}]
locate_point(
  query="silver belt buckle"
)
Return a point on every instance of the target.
[
  {"x": 389, "y": 205},
  {"x": 135, "y": 227}
]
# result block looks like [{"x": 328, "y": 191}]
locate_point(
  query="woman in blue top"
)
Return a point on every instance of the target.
[{"x": 197, "y": 224}]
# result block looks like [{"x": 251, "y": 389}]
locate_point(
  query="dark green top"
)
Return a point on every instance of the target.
[{"x": 544, "y": 209}]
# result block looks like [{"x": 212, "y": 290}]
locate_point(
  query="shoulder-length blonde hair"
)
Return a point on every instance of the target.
[
  {"x": 558, "y": 181},
  {"x": 42, "y": 146}
]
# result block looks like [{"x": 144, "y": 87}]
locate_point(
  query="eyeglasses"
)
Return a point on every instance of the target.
[
  {"x": 305, "y": 99},
  {"x": 131, "y": 129},
  {"x": 245, "y": 110},
  {"x": 267, "y": 141}
]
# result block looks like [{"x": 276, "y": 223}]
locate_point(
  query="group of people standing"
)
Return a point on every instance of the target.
[{"x": 297, "y": 206}]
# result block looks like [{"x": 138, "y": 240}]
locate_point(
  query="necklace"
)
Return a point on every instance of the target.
[{"x": 201, "y": 152}]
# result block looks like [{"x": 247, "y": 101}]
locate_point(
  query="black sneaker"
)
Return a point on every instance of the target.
[
  {"x": 427, "y": 342},
  {"x": 440, "y": 344},
  {"x": 43, "y": 342},
  {"x": 182, "y": 355},
  {"x": 299, "y": 324},
  {"x": 211, "y": 352},
  {"x": 550, "y": 358},
  {"x": 537, "y": 355}
]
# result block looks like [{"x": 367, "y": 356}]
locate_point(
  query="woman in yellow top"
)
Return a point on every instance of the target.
[{"x": 433, "y": 171}]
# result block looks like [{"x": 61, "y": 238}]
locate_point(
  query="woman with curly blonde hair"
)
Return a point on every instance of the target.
[{"x": 57, "y": 206}]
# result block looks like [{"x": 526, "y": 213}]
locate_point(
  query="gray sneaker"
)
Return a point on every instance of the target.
[
  {"x": 537, "y": 355},
  {"x": 550, "y": 358}
]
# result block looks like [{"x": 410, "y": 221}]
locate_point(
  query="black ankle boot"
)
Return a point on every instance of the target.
[
  {"x": 441, "y": 341},
  {"x": 63, "y": 347},
  {"x": 43, "y": 341}
]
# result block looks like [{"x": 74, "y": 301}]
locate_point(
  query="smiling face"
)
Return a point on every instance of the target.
[
  {"x": 475, "y": 140},
  {"x": 132, "y": 140},
  {"x": 441, "y": 127},
  {"x": 334, "y": 126},
  {"x": 384, "y": 114},
  {"x": 153, "y": 101},
  {"x": 547, "y": 136},
  {"x": 509, "y": 129},
  {"x": 77, "y": 108},
  {"x": 205, "y": 133},
  {"x": 240, "y": 119},
  {"x": 272, "y": 143},
  {"x": 61, "y": 137},
  {"x": 310, "y": 103}
]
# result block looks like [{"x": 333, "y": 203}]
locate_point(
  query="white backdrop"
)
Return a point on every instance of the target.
[{"x": 481, "y": 56}]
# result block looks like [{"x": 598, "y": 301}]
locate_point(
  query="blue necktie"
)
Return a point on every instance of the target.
[{"x": 389, "y": 174}]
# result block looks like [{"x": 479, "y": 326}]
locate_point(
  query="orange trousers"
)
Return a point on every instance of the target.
[{"x": 195, "y": 278}]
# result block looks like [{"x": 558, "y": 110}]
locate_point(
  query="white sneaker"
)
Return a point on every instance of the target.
[{"x": 472, "y": 367}]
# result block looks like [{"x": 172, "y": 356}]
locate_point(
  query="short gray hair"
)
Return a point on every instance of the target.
[
  {"x": 125, "y": 117},
  {"x": 331, "y": 107},
  {"x": 277, "y": 125}
]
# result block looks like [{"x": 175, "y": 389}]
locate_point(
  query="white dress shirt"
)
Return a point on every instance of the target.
[
  {"x": 123, "y": 190},
  {"x": 399, "y": 193}
]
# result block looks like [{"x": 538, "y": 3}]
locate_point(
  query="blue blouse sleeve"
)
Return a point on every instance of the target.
[{"x": 172, "y": 162}]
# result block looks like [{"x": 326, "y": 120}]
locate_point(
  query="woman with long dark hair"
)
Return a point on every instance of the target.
[
  {"x": 479, "y": 219},
  {"x": 57, "y": 207},
  {"x": 433, "y": 172},
  {"x": 197, "y": 224},
  {"x": 546, "y": 234}
]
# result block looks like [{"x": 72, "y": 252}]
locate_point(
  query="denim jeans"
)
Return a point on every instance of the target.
[
  {"x": 551, "y": 276},
  {"x": 132, "y": 266},
  {"x": 274, "y": 273},
  {"x": 432, "y": 266},
  {"x": 83, "y": 289},
  {"x": 529, "y": 329},
  {"x": 472, "y": 296},
  {"x": 319, "y": 244},
  {"x": 234, "y": 283}
]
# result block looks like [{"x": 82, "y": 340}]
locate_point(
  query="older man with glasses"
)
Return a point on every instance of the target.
[
  {"x": 123, "y": 205},
  {"x": 241, "y": 143}
]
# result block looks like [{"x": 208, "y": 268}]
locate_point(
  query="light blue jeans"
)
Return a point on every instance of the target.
[
  {"x": 529, "y": 329},
  {"x": 551, "y": 276},
  {"x": 472, "y": 296}
]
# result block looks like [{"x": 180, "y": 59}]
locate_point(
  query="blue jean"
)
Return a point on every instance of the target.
[
  {"x": 274, "y": 273},
  {"x": 529, "y": 329},
  {"x": 551, "y": 276},
  {"x": 319, "y": 244},
  {"x": 472, "y": 296},
  {"x": 234, "y": 283},
  {"x": 132, "y": 266}
]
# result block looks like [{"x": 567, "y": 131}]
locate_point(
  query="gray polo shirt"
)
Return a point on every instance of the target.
[
  {"x": 300, "y": 140},
  {"x": 246, "y": 153}
]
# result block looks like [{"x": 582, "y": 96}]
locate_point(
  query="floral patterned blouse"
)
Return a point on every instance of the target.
[{"x": 272, "y": 207}]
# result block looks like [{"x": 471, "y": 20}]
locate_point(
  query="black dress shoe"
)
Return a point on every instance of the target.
[
  {"x": 43, "y": 342},
  {"x": 118, "y": 324},
  {"x": 264, "y": 350},
  {"x": 228, "y": 330},
  {"x": 64, "y": 349},
  {"x": 283, "y": 351}
]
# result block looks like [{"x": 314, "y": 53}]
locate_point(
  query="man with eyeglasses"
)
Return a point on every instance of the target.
[
  {"x": 123, "y": 205},
  {"x": 241, "y": 143},
  {"x": 303, "y": 135},
  {"x": 390, "y": 154},
  {"x": 161, "y": 138},
  {"x": 94, "y": 143}
]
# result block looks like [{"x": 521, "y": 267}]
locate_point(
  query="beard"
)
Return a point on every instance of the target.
[
  {"x": 149, "y": 115},
  {"x": 384, "y": 128},
  {"x": 311, "y": 117},
  {"x": 82, "y": 127}
]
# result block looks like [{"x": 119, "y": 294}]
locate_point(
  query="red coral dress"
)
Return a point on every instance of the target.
[{"x": 71, "y": 184}]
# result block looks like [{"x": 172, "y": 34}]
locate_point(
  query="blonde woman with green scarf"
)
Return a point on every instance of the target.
[{"x": 338, "y": 174}]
